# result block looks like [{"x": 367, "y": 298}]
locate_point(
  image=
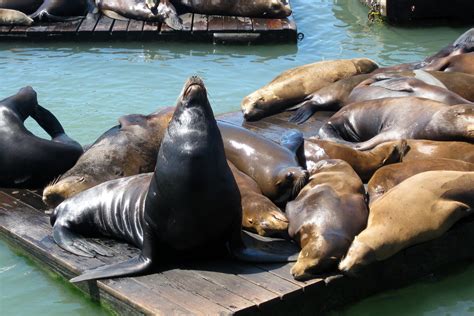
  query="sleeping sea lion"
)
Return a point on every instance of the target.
[
  {"x": 326, "y": 216},
  {"x": 417, "y": 149},
  {"x": 26, "y": 160},
  {"x": 190, "y": 206},
  {"x": 61, "y": 10},
  {"x": 419, "y": 209},
  {"x": 364, "y": 125},
  {"x": 294, "y": 85},
  {"x": 25, "y": 6},
  {"x": 125, "y": 150},
  {"x": 458, "y": 63},
  {"x": 14, "y": 17}
]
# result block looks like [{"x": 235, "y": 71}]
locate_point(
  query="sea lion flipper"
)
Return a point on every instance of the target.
[
  {"x": 401, "y": 85},
  {"x": 69, "y": 241},
  {"x": 305, "y": 110},
  {"x": 134, "y": 266},
  {"x": 114, "y": 15}
]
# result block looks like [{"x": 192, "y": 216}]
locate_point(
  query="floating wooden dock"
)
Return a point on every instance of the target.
[
  {"x": 401, "y": 11},
  {"x": 197, "y": 27},
  {"x": 222, "y": 286}
]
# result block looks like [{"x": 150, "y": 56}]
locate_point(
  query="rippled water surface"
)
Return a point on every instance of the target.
[{"x": 88, "y": 86}]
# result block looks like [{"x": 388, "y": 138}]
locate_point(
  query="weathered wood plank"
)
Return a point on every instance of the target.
[
  {"x": 215, "y": 23},
  {"x": 199, "y": 23},
  {"x": 104, "y": 25},
  {"x": 87, "y": 26},
  {"x": 120, "y": 28},
  {"x": 27, "y": 197},
  {"x": 65, "y": 28},
  {"x": 259, "y": 25},
  {"x": 5, "y": 29},
  {"x": 135, "y": 29}
]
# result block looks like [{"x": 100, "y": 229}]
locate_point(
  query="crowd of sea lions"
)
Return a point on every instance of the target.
[
  {"x": 26, "y": 12},
  {"x": 178, "y": 183}
]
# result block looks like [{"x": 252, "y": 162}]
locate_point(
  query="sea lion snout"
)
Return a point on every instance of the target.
[{"x": 358, "y": 255}]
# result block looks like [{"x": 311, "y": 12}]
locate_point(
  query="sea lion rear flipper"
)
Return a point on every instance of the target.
[
  {"x": 401, "y": 85},
  {"x": 166, "y": 9},
  {"x": 305, "y": 110},
  {"x": 114, "y": 15},
  {"x": 134, "y": 266},
  {"x": 76, "y": 244},
  {"x": 255, "y": 248}
]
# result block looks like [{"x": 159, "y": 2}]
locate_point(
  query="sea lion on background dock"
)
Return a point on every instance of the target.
[
  {"x": 427, "y": 149},
  {"x": 125, "y": 150},
  {"x": 191, "y": 206},
  {"x": 61, "y": 10},
  {"x": 246, "y": 8},
  {"x": 417, "y": 210},
  {"x": 458, "y": 63},
  {"x": 364, "y": 125},
  {"x": 389, "y": 176},
  {"x": 26, "y": 160},
  {"x": 273, "y": 167},
  {"x": 326, "y": 216},
  {"x": 144, "y": 10},
  {"x": 259, "y": 214},
  {"x": 25, "y": 6},
  {"x": 294, "y": 85},
  {"x": 14, "y": 17}
]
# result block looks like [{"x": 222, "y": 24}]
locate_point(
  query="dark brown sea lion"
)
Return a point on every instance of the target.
[
  {"x": 125, "y": 150},
  {"x": 247, "y": 8},
  {"x": 294, "y": 85},
  {"x": 426, "y": 149},
  {"x": 463, "y": 44},
  {"x": 364, "y": 125},
  {"x": 26, "y": 160},
  {"x": 417, "y": 210},
  {"x": 389, "y": 176},
  {"x": 259, "y": 214},
  {"x": 326, "y": 216},
  {"x": 61, "y": 10},
  {"x": 25, "y": 6},
  {"x": 145, "y": 10},
  {"x": 190, "y": 205},
  {"x": 273, "y": 167},
  {"x": 14, "y": 17},
  {"x": 458, "y": 63}
]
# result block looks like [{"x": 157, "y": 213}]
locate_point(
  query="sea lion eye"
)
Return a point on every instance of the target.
[{"x": 289, "y": 175}]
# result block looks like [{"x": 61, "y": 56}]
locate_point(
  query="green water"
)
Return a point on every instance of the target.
[{"x": 88, "y": 86}]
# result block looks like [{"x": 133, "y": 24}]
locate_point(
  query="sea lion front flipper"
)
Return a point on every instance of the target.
[
  {"x": 254, "y": 248},
  {"x": 76, "y": 244},
  {"x": 134, "y": 266},
  {"x": 170, "y": 16},
  {"x": 114, "y": 15},
  {"x": 45, "y": 16},
  {"x": 306, "y": 109}
]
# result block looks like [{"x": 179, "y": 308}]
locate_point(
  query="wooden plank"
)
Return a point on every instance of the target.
[
  {"x": 120, "y": 27},
  {"x": 27, "y": 197},
  {"x": 5, "y": 29},
  {"x": 18, "y": 31},
  {"x": 103, "y": 26},
  {"x": 199, "y": 23},
  {"x": 151, "y": 30},
  {"x": 243, "y": 23},
  {"x": 259, "y": 25},
  {"x": 88, "y": 24},
  {"x": 135, "y": 29},
  {"x": 66, "y": 28},
  {"x": 215, "y": 23}
]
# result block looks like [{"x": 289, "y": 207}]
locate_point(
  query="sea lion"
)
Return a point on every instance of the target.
[
  {"x": 146, "y": 10},
  {"x": 364, "y": 125},
  {"x": 389, "y": 176},
  {"x": 25, "y": 6},
  {"x": 426, "y": 149},
  {"x": 326, "y": 216},
  {"x": 124, "y": 150},
  {"x": 14, "y": 17},
  {"x": 458, "y": 63},
  {"x": 419, "y": 209},
  {"x": 190, "y": 207},
  {"x": 259, "y": 214},
  {"x": 26, "y": 160},
  {"x": 246, "y": 8},
  {"x": 61, "y": 10},
  {"x": 294, "y": 85},
  {"x": 463, "y": 44},
  {"x": 273, "y": 167}
]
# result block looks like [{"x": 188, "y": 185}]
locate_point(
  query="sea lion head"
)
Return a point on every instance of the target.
[
  {"x": 254, "y": 107},
  {"x": 57, "y": 192},
  {"x": 266, "y": 220},
  {"x": 289, "y": 183},
  {"x": 277, "y": 9},
  {"x": 461, "y": 121},
  {"x": 312, "y": 261},
  {"x": 358, "y": 255}
]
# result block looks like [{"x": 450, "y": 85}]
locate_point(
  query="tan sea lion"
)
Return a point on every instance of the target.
[
  {"x": 364, "y": 125},
  {"x": 275, "y": 168},
  {"x": 246, "y": 8},
  {"x": 463, "y": 44},
  {"x": 14, "y": 17},
  {"x": 294, "y": 85},
  {"x": 389, "y": 176},
  {"x": 425, "y": 149},
  {"x": 417, "y": 210},
  {"x": 125, "y": 150},
  {"x": 326, "y": 216},
  {"x": 259, "y": 214},
  {"x": 458, "y": 63}
]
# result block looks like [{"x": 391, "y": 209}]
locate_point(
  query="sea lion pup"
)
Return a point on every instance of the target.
[
  {"x": 190, "y": 205},
  {"x": 326, "y": 216},
  {"x": 14, "y": 17},
  {"x": 417, "y": 210},
  {"x": 124, "y": 150},
  {"x": 25, "y": 6},
  {"x": 246, "y": 8},
  {"x": 426, "y": 149},
  {"x": 458, "y": 63},
  {"x": 26, "y": 160},
  {"x": 294, "y": 85},
  {"x": 259, "y": 214},
  {"x": 389, "y": 176},
  {"x": 364, "y": 125},
  {"x": 146, "y": 10},
  {"x": 275, "y": 169},
  {"x": 61, "y": 10}
]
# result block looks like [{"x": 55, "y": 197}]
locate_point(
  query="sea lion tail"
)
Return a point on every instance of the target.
[{"x": 134, "y": 266}]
